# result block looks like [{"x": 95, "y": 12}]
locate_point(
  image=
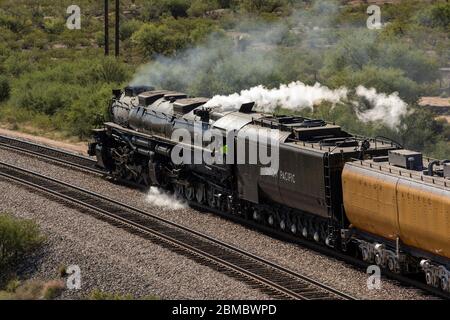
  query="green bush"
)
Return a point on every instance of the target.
[
  {"x": 199, "y": 7},
  {"x": 171, "y": 36},
  {"x": 127, "y": 29},
  {"x": 32, "y": 290},
  {"x": 18, "y": 237},
  {"x": 437, "y": 15},
  {"x": 109, "y": 70},
  {"x": 156, "y": 9},
  {"x": 54, "y": 26}
]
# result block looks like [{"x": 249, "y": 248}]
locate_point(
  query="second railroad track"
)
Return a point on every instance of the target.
[
  {"x": 49, "y": 153},
  {"x": 270, "y": 278}
]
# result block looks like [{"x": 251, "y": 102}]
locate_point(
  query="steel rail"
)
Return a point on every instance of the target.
[{"x": 269, "y": 277}]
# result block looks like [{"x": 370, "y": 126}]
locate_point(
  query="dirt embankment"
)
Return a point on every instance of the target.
[{"x": 77, "y": 147}]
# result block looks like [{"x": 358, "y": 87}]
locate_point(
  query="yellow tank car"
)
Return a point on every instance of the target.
[{"x": 398, "y": 204}]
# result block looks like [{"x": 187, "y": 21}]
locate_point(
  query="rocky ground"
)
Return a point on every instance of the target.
[
  {"x": 111, "y": 259},
  {"x": 114, "y": 260}
]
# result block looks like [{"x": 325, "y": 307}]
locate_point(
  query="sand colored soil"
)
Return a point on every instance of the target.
[{"x": 78, "y": 147}]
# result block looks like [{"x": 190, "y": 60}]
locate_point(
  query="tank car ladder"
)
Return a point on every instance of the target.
[{"x": 327, "y": 178}]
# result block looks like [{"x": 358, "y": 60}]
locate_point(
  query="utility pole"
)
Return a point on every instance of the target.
[
  {"x": 106, "y": 29},
  {"x": 117, "y": 49}
]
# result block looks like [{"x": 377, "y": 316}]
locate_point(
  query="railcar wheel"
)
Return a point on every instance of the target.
[
  {"x": 365, "y": 254},
  {"x": 391, "y": 264},
  {"x": 256, "y": 215},
  {"x": 378, "y": 259},
  {"x": 443, "y": 283},
  {"x": 429, "y": 278}
]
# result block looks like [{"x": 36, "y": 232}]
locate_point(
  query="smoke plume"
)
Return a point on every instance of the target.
[
  {"x": 251, "y": 56},
  {"x": 294, "y": 96},
  {"x": 388, "y": 109}
]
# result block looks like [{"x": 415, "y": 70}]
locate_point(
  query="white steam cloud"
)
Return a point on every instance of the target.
[
  {"x": 388, "y": 109},
  {"x": 295, "y": 95},
  {"x": 246, "y": 56},
  {"x": 160, "y": 198}
]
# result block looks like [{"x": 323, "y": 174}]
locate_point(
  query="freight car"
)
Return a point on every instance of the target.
[
  {"x": 400, "y": 213},
  {"x": 325, "y": 187}
]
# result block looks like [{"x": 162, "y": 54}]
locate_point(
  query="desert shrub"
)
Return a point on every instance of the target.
[
  {"x": 46, "y": 97},
  {"x": 153, "y": 39},
  {"x": 32, "y": 290},
  {"x": 171, "y": 36},
  {"x": 85, "y": 113},
  {"x": 17, "y": 64},
  {"x": 54, "y": 26},
  {"x": 52, "y": 289},
  {"x": 436, "y": 15},
  {"x": 15, "y": 23},
  {"x": 199, "y": 7},
  {"x": 263, "y": 5},
  {"x": 127, "y": 28},
  {"x": 17, "y": 238},
  {"x": 156, "y": 9},
  {"x": 36, "y": 38},
  {"x": 109, "y": 70}
]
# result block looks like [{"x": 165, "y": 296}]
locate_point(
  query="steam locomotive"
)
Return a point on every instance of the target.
[{"x": 370, "y": 196}]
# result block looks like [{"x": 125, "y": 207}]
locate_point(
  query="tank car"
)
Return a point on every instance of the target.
[{"x": 399, "y": 212}]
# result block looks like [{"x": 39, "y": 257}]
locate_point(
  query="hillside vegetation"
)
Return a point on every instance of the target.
[{"x": 56, "y": 81}]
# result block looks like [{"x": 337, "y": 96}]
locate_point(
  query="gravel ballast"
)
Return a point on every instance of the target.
[
  {"x": 111, "y": 259},
  {"x": 335, "y": 273}
]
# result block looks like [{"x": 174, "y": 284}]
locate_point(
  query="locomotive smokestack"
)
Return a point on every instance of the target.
[{"x": 117, "y": 93}]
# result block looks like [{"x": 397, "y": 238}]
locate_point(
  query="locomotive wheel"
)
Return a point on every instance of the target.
[
  {"x": 293, "y": 227},
  {"x": 179, "y": 190},
  {"x": 270, "y": 220},
  {"x": 200, "y": 193},
  {"x": 189, "y": 192},
  {"x": 226, "y": 204},
  {"x": 210, "y": 198}
]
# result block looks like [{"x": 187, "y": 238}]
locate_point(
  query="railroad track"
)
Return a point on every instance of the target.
[
  {"x": 49, "y": 153},
  {"x": 270, "y": 278},
  {"x": 87, "y": 164}
]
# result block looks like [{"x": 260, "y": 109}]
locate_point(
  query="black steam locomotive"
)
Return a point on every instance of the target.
[{"x": 304, "y": 196}]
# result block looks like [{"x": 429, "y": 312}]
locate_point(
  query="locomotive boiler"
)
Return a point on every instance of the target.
[{"x": 327, "y": 186}]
